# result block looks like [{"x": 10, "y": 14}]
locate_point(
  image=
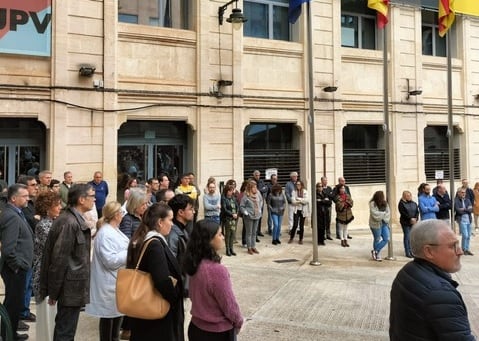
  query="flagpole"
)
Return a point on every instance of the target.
[
  {"x": 450, "y": 125},
  {"x": 387, "y": 133},
  {"x": 312, "y": 146}
]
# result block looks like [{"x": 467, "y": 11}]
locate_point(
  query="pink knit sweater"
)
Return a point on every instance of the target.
[{"x": 214, "y": 307}]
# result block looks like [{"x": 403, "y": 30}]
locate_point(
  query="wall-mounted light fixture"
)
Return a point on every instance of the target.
[
  {"x": 236, "y": 17},
  {"x": 215, "y": 90},
  {"x": 86, "y": 70},
  {"x": 412, "y": 92},
  {"x": 330, "y": 88}
]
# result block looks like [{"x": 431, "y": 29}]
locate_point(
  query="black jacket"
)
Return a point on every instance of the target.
[
  {"x": 408, "y": 210},
  {"x": 445, "y": 205},
  {"x": 160, "y": 263},
  {"x": 425, "y": 305}
]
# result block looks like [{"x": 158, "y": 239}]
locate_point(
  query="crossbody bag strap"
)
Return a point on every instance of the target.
[{"x": 145, "y": 245}]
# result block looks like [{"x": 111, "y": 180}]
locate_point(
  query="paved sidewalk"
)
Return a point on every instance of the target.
[{"x": 346, "y": 298}]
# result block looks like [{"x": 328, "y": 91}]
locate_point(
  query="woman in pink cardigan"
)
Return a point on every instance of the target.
[{"x": 215, "y": 314}]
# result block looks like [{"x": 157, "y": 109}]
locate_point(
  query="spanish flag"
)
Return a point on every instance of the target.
[
  {"x": 381, "y": 6},
  {"x": 446, "y": 16}
]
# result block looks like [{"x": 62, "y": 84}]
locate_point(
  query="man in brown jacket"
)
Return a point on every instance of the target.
[{"x": 65, "y": 271}]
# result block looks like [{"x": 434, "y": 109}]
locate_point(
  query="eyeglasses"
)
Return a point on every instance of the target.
[{"x": 454, "y": 246}]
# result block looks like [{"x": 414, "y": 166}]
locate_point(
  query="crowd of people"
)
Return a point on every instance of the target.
[{"x": 63, "y": 243}]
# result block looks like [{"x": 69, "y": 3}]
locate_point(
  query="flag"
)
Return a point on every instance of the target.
[
  {"x": 381, "y": 6},
  {"x": 446, "y": 16},
  {"x": 294, "y": 10}
]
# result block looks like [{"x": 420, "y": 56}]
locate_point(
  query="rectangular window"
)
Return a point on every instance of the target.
[
  {"x": 163, "y": 13},
  {"x": 358, "y": 25},
  {"x": 363, "y": 154},
  {"x": 267, "y": 19},
  {"x": 432, "y": 43},
  {"x": 436, "y": 152}
]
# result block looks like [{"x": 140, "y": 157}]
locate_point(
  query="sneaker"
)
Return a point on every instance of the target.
[
  {"x": 468, "y": 253},
  {"x": 378, "y": 257}
]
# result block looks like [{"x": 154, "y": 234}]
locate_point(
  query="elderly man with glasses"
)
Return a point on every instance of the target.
[{"x": 425, "y": 304}]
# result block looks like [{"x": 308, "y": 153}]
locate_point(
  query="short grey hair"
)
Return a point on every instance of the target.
[
  {"x": 136, "y": 199},
  {"x": 426, "y": 232},
  {"x": 293, "y": 174}
]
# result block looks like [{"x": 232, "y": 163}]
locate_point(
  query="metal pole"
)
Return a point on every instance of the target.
[
  {"x": 387, "y": 136},
  {"x": 450, "y": 126},
  {"x": 312, "y": 146}
]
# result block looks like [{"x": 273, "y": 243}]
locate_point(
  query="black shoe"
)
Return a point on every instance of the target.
[
  {"x": 468, "y": 253},
  {"x": 30, "y": 318},
  {"x": 349, "y": 237},
  {"x": 232, "y": 252},
  {"x": 329, "y": 238},
  {"x": 278, "y": 241},
  {"x": 257, "y": 240},
  {"x": 321, "y": 243},
  {"x": 274, "y": 242},
  {"x": 338, "y": 237},
  {"x": 260, "y": 234},
  {"x": 20, "y": 337},
  {"x": 228, "y": 253},
  {"x": 22, "y": 326}
]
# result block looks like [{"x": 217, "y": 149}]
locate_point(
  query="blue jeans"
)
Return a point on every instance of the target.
[
  {"x": 215, "y": 218},
  {"x": 28, "y": 294},
  {"x": 381, "y": 237},
  {"x": 465, "y": 229},
  {"x": 407, "y": 242},
  {"x": 277, "y": 220},
  {"x": 270, "y": 222}
]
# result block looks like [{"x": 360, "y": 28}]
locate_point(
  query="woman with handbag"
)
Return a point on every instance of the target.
[
  {"x": 379, "y": 217},
  {"x": 344, "y": 213},
  {"x": 109, "y": 254},
  {"x": 163, "y": 267},
  {"x": 215, "y": 314}
]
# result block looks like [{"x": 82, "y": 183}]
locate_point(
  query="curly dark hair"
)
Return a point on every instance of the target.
[
  {"x": 45, "y": 201},
  {"x": 199, "y": 246}
]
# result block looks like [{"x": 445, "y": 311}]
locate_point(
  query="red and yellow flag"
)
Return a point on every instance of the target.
[
  {"x": 381, "y": 6},
  {"x": 446, "y": 16}
]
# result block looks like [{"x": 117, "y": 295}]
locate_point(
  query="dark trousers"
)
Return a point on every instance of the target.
[
  {"x": 324, "y": 222},
  {"x": 66, "y": 323},
  {"x": 197, "y": 334},
  {"x": 298, "y": 224},
  {"x": 110, "y": 328},
  {"x": 243, "y": 234},
  {"x": 14, "y": 295}
]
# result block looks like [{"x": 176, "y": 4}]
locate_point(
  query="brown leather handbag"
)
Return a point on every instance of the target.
[{"x": 136, "y": 295}]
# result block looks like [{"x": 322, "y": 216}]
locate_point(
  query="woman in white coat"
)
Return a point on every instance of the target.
[
  {"x": 109, "y": 254},
  {"x": 300, "y": 203}
]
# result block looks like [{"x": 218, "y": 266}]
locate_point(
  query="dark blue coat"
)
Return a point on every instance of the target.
[{"x": 425, "y": 305}]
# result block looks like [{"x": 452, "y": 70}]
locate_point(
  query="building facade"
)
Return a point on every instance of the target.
[{"x": 142, "y": 87}]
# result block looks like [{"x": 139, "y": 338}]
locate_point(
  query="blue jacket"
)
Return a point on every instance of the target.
[
  {"x": 428, "y": 207},
  {"x": 425, "y": 305}
]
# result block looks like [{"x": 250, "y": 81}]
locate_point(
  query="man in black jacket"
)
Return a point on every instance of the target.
[
  {"x": 425, "y": 304},
  {"x": 445, "y": 204}
]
